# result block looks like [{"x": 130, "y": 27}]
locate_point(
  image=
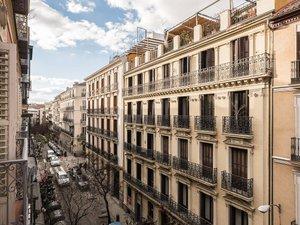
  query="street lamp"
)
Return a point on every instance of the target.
[{"x": 266, "y": 208}]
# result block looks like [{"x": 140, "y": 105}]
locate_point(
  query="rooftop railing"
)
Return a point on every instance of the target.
[
  {"x": 249, "y": 67},
  {"x": 242, "y": 12}
]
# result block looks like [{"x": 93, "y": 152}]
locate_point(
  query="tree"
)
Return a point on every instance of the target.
[
  {"x": 77, "y": 204},
  {"x": 99, "y": 180}
]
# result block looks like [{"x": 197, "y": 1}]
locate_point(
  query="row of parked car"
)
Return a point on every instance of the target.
[
  {"x": 56, "y": 148},
  {"x": 52, "y": 208},
  {"x": 80, "y": 179}
]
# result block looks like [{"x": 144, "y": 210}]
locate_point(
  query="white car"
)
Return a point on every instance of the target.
[
  {"x": 62, "y": 177},
  {"x": 55, "y": 162}
]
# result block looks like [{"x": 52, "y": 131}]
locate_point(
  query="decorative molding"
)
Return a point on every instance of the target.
[
  {"x": 239, "y": 142},
  {"x": 221, "y": 96},
  {"x": 206, "y": 137},
  {"x": 256, "y": 93}
]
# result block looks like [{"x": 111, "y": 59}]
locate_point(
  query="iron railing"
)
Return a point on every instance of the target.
[
  {"x": 237, "y": 184},
  {"x": 295, "y": 77},
  {"x": 128, "y": 118},
  {"x": 237, "y": 124},
  {"x": 128, "y": 146},
  {"x": 169, "y": 46},
  {"x": 149, "y": 120},
  {"x": 167, "y": 201},
  {"x": 242, "y": 12},
  {"x": 181, "y": 121},
  {"x": 295, "y": 149},
  {"x": 138, "y": 119},
  {"x": 144, "y": 152},
  {"x": 243, "y": 68},
  {"x": 205, "y": 123},
  {"x": 165, "y": 159},
  {"x": 211, "y": 27},
  {"x": 164, "y": 121},
  {"x": 196, "y": 170}
]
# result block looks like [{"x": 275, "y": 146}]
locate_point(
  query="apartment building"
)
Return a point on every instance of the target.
[
  {"x": 69, "y": 108},
  {"x": 285, "y": 25},
  {"x": 197, "y": 121},
  {"x": 15, "y": 54},
  {"x": 105, "y": 120}
]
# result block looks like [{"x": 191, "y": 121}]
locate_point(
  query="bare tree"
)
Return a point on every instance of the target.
[
  {"x": 77, "y": 205},
  {"x": 100, "y": 181}
]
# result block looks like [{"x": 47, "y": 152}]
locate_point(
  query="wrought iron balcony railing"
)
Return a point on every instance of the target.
[
  {"x": 205, "y": 123},
  {"x": 181, "y": 121},
  {"x": 237, "y": 184},
  {"x": 249, "y": 67},
  {"x": 128, "y": 118},
  {"x": 145, "y": 153},
  {"x": 295, "y": 78},
  {"x": 198, "y": 171},
  {"x": 295, "y": 149},
  {"x": 242, "y": 12},
  {"x": 128, "y": 146},
  {"x": 165, "y": 159},
  {"x": 138, "y": 119},
  {"x": 164, "y": 121},
  {"x": 149, "y": 120},
  {"x": 237, "y": 125},
  {"x": 167, "y": 201}
]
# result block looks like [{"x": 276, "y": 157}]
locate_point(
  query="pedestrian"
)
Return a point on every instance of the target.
[
  {"x": 65, "y": 153},
  {"x": 84, "y": 166}
]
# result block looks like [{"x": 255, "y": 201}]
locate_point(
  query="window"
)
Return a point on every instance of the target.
[
  {"x": 237, "y": 216},
  {"x": 165, "y": 106},
  {"x": 165, "y": 144},
  {"x": 185, "y": 65},
  {"x": 183, "y": 195},
  {"x": 138, "y": 171},
  {"x": 129, "y": 195},
  {"x": 207, "y": 105},
  {"x": 183, "y": 153},
  {"x": 139, "y": 108},
  {"x": 164, "y": 185},
  {"x": 240, "y": 48},
  {"x": 206, "y": 207},
  {"x": 129, "y": 166},
  {"x": 129, "y": 108},
  {"x": 140, "y": 78},
  {"x": 207, "y": 58},
  {"x": 150, "y": 211},
  {"x": 129, "y": 136},
  {"x": 108, "y": 124},
  {"x": 150, "y": 141},
  {"x": 207, "y": 155},
  {"x": 138, "y": 139},
  {"x": 150, "y": 177},
  {"x": 239, "y": 162},
  {"x": 183, "y": 106},
  {"x": 151, "y": 107},
  {"x": 166, "y": 71},
  {"x": 129, "y": 82},
  {"x": 239, "y": 103}
]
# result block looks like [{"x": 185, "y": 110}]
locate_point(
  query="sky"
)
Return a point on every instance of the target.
[{"x": 73, "y": 38}]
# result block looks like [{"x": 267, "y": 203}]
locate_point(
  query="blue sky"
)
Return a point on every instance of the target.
[{"x": 73, "y": 38}]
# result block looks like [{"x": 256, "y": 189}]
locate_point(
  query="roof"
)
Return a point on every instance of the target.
[{"x": 287, "y": 14}]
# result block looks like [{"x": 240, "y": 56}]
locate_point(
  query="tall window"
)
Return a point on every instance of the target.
[
  {"x": 207, "y": 58},
  {"x": 183, "y": 106},
  {"x": 239, "y": 162},
  {"x": 150, "y": 141},
  {"x": 138, "y": 171},
  {"x": 240, "y": 48},
  {"x": 151, "y": 107},
  {"x": 129, "y": 136},
  {"x": 207, "y": 155},
  {"x": 150, "y": 177},
  {"x": 185, "y": 65},
  {"x": 239, "y": 103},
  {"x": 183, "y": 195},
  {"x": 165, "y": 106},
  {"x": 138, "y": 138},
  {"x": 207, "y": 105},
  {"x": 166, "y": 71},
  {"x": 139, "y": 108},
  {"x": 150, "y": 211},
  {"x": 165, "y": 144},
  {"x": 164, "y": 185},
  {"x": 129, "y": 108},
  {"x": 206, "y": 207},
  {"x": 129, "y": 166},
  {"x": 237, "y": 216}
]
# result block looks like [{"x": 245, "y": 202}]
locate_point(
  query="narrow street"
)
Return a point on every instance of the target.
[{"x": 98, "y": 210}]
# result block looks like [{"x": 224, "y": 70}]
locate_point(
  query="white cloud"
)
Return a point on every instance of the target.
[
  {"x": 79, "y": 6},
  {"x": 46, "y": 88},
  {"x": 51, "y": 30}
]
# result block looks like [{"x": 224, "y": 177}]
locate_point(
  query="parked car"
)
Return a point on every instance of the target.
[
  {"x": 54, "y": 162},
  {"x": 50, "y": 153},
  {"x": 75, "y": 171},
  {"x": 61, "y": 223},
  {"x": 56, "y": 216},
  {"x": 54, "y": 205},
  {"x": 82, "y": 182},
  {"x": 61, "y": 176}
]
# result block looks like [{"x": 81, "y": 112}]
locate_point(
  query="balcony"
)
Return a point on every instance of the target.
[
  {"x": 295, "y": 149},
  {"x": 187, "y": 216},
  {"x": 181, "y": 121},
  {"x": 237, "y": 185},
  {"x": 149, "y": 120},
  {"x": 241, "y": 125},
  {"x": 164, "y": 159},
  {"x": 138, "y": 119},
  {"x": 246, "y": 68},
  {"x": 205, "y": 123},
  {"x": 107, "y": 111},
  {"x": 164, "y": 121},
  {"x": 143, "y": 152},
  {"x": 114, "y": 110},
  {"x": 206, "y": 174},
  {"x": 128, "y": 118},
  {"x": 128, "y": 146},
  {"x": 243, "y": 12},
  {"x": 295, "y": 78}
]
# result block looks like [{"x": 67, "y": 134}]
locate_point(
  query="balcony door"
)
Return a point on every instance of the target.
[
  {"x": 183, "y": 106},
  {"x": 237, "y": 216},
  {"x": 151, "y": 79},
  {"x": 182, "y": 196},
  {"x": 166, "y": 106},
  {"x": 207, "y": 159},
  {"x": 183, "y": 153},
  {"x": 138, "y": 171},
  {"x": 239, "y": 103},
  {"x": 138, "y": 139},
  {"x": 129, "y": 166},
  {"x": 139, "y": 108},
  {"x": 129, "y": 108},
  {"x": 165, "y": 145},
  {"x": 207, "y": 105},
  {"x": 240, "y": 48},
  {"x": 150, "y": 177},
  {"x": 185, "y": 65},
  {"x": 206, "y": 207},
  {"x": 166, "y": 75},
  {"x": 206, "y": 62},
  {"x": 151, "y": 108},
  {"x": 164, "y": 185},
  {"x": 129, "y": 136},
  {"x": 140, "y": 82},
  {"x": 239, "y": 169}
]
